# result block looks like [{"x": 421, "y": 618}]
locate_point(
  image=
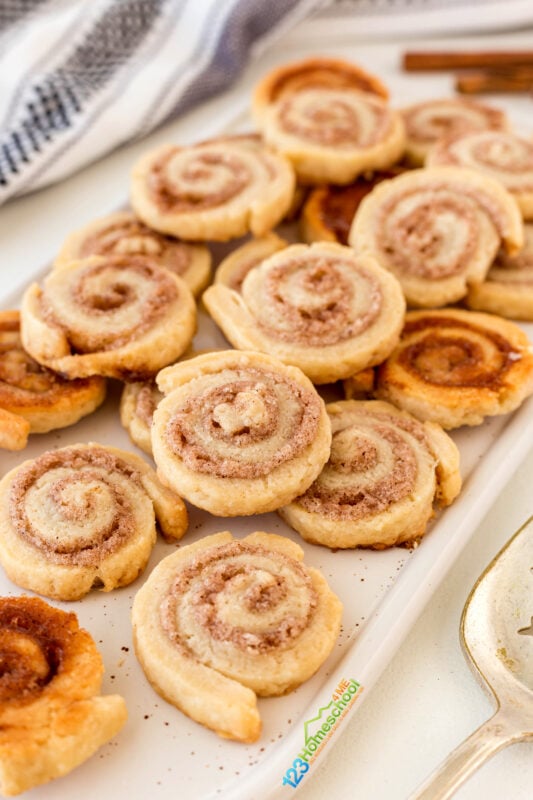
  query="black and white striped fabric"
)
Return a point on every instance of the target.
[{"x": 79, "y": 78}]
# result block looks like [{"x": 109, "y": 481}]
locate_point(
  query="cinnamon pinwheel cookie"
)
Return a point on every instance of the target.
[
  {"x": 329, "y": 210},
  {"x": 34, "y": 399},
  {"x": 234, "y": 268},
  {"x": 457, "y": 367},
  {"x": 119, "y": 316},
  {"x": 438, "y": 230},
  {"x": 123, "y": 234},
  {"x": 238, "y": 433},
  {"x": 223, "y": 620},
  {"x": 81, "y": 517},
  {"x": 52, "y": 715},
  {"x": 377, "y": 490},
  {"x": 329, "y": 118},
  {"x": 508, "y": 288},
  {"x": 219, "y": 189},
  {"x": 499, "y": 155},
  {"x": 431, "y": 120},
  {"x": 318, "y": 306}
]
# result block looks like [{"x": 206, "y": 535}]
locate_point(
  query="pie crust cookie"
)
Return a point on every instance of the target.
[
  {"x": 238, "y": 433},
  {"x": 318, "y": 307},
  {"x": 431, "y": 120},
  {"x": 52, "y": 715},
  {"x": 500, "y": 155},
  {"x": 118, "y": 316},
  {"x": 457, "y": 367},
  {"x": 214, "y": 190},
  {"x": 508, "y": 288},
  {"x": 223, "y": 620},
  {"x": 123, "y": 234},
  {"x": 329, "y": 118},
  {"x": 378, "y": 488},
  {"x": 81, "y": 517},
  {"x": 438, "y": 230},
  {"x": 34, "y": 399}
]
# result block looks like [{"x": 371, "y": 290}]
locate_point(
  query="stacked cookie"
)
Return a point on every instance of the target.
[{"x": 387, "y": 243}]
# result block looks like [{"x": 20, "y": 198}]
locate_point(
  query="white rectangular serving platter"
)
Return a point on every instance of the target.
[{"x": 160, "y": 753}]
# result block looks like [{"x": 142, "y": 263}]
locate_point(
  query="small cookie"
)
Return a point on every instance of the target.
[
  {"x": 214, "y": 190},
  {"x": 234, "y": 268},
  {"x": 377, "y": 490},
  {"x": 329, "y": 210},
  {"x": 34, "y": 399},
  {"x": 438, "y": 230},
  {"x": 457, "y": 367},
  {"x": 123, "y": 234},
  {"x": 238, "y": 433},
  {"x": 431, "y": 120},
  {"x": 81, "y": 517},
  {"x": 52, "y": 715},
  {"x": 500, "y": 155},
  {"x": 223, "y": 620},
  {"x": 318, "y": 307},
  {"x": 329, "y": 118},
  {"x": 119, "y": 316},
  {"x": 508, "y": 288}
]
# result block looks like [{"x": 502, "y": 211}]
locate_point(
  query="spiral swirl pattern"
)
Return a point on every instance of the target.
[
  {"x": 218, "y": 189},
  {"x": 52, "y": 716},
  {"x": 317, "y": 307},
  {"x": 437, "y": 230},
  {"x": 378, "y": 486},
  {"x": 429, "y": 121},
  {"x": 330, "y": 119},
  {"x": 123, "y": 234},
  {"x": 236, "y": 431},
  {"x": 243, "y": 423},
  {"x": 35, "y": 394},
  {"x": 455, "y": 367},
  {"x": 232, "y": 616},
  {"x": 335, "y": 118},
  {"x": 81, "y": 516},
  {"x": 121, "y": 316},
  {"x": 497, "y": 154}
]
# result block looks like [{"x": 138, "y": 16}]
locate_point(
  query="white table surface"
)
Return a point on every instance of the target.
[{"x": 427, "y": 700}]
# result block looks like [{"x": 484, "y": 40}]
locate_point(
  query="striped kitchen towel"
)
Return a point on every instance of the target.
[{"x": 79, "y": 78}]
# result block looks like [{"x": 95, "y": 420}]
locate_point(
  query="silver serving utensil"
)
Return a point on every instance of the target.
[{"x": 497, "y": 636}]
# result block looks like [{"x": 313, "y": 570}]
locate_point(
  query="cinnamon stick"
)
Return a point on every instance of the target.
[
  {"x": 421, "y": 61},
  {"x": 487, "y": 81}
]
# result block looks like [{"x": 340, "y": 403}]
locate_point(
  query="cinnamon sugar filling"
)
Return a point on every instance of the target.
[
  {"x": 334, "y": 119},
  {"x": 136, "y": 238},
  {"x": 420, "y": 242},
  {"x": 262, "y": 583},
  {"x": 34, "y": 641},
  {"x": 206, "y": 179},
  {"x": 146, "y": 402},
  {"x": 74, "y": 498},
  {"x": 126, "y": 296},
  {"x": 446, "y": 356},
  {"x": 347, "y": 488},
  {"x": 316, "y": 302},
  {"x": 246, "y": 427}
]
